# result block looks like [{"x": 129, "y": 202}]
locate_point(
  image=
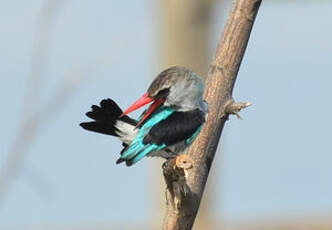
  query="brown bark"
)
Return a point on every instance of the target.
[{"x": 186, "y": 176}]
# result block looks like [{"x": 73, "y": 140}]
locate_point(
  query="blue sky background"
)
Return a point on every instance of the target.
[{"x": 274, "y": 163}]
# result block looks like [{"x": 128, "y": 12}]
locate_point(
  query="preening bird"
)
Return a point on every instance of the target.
[{"x": 166, "y": 128}]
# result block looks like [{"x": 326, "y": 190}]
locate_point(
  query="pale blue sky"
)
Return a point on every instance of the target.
[{"x": 275, "y": 162}]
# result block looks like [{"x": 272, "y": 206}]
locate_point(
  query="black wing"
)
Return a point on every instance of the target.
[
  {"x": 104, "y": 117},
  {"x": 179, "y": 126}
]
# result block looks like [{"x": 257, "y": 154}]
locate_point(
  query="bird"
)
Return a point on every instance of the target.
[{"x": 169, "y": 125}]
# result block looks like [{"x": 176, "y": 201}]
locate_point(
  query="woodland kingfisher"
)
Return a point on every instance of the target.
[{"x": 166, "y": 128}]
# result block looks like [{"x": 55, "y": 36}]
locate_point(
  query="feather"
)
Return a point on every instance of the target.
[
  {"x": 105, "y": 117},
  {"x": 165, "y": 129}
]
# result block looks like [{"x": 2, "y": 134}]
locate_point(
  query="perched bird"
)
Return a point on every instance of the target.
[{"x": 166, "y": 128}]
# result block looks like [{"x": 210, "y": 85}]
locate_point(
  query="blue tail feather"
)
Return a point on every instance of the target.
[
  {"x": 131, "y": 151},
  {"x": 191, "y": 139},
  {"x": 143, "y": 153}
]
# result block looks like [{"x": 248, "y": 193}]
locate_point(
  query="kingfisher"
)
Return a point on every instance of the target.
[{"x": 169, "y": 125}]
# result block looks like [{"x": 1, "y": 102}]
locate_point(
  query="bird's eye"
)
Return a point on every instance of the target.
[{"x": 162, "y": 93}]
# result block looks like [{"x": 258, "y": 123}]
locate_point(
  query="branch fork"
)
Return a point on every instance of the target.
[{"x": 176, "y": 170}]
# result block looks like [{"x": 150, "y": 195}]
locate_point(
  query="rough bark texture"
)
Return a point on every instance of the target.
[{"x": 186, "y": 176}]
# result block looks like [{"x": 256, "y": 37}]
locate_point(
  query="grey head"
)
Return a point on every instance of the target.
[{"x": 182, "y": 89}]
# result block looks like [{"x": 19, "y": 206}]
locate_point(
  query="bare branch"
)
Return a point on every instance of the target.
[{"x": 185, "y": 186}]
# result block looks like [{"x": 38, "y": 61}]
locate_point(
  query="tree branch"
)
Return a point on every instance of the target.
[{"x": 186, "y": 175}]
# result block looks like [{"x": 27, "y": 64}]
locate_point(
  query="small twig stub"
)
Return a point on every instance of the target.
[{"x": 232, "y": 107}]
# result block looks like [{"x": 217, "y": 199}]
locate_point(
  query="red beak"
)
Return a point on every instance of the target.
[{"x": 145, "y": 99}]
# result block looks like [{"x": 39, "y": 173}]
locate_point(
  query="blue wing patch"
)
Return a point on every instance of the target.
[
  {"x": 137, "y": 149},
  {"x": 191, "y": 139}
]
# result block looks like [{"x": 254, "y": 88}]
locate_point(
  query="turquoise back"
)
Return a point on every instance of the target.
[{"x": 137, "y": 150}]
